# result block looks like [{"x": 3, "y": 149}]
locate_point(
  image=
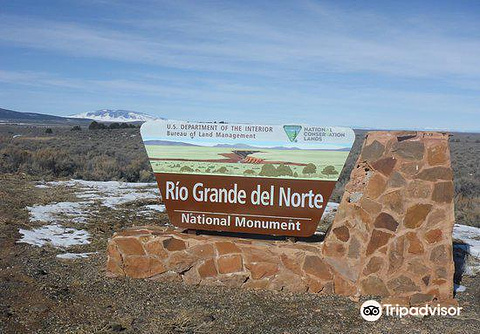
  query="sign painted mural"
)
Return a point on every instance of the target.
[{"x": 262, "y": 179}]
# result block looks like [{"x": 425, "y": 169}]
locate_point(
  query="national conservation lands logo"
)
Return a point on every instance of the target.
[
  {"x": 292, "y": 131},
  {"x": 245, "y": 177}
]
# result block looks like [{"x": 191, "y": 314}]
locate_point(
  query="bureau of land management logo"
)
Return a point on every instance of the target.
[{"x": 292, "y": 131}]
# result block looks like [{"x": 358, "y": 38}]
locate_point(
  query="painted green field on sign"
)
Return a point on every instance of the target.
[{"x": 300, "y": 164}]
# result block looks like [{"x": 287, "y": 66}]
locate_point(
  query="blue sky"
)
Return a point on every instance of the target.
[{"x": 375, "y": 64}]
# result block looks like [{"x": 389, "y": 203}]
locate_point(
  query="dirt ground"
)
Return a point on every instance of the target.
[{"x": 40, "y": 293}]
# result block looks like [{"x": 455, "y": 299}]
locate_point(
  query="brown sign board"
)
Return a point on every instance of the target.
[{"x": 261, "y": 179}]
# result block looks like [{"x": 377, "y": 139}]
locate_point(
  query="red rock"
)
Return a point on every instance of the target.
[
  {"x": 173, "y": 244},
  {"x": 436, "y": 217},
  {"x": 192, "y": 277},
  {"x": 253, "y": 254},
  {"x": 441, "y": 272},
  {"x": 113, "y": 252},
  {"x": 343, "y": 287},
  {"x": 435, "y": 173},
  {"x": 315, "y": 266},
  {"x": 180, "y": 261},
  {"x": 376, "y": 186},
  {"x": 386, "y": 221},
  {"x": 374, "y": 265},
  {"x": 113, "y": 268},
  {"x": 385, "y": 165},
  {"x": 377, "y": 240},
  {"x": 396, "y": 254},
  {"x": 415, "y": 246},
  {"x": 207, "y": 269},
  {"x": 287, "y": 281},
  {"x": 315, "y": 286},
  {"x": 373, "y": 286},
  {"x": 439, "y": 254},
  {"x": 342, "y": 233},
  {"x": 230, "y": 264},
  {"x": 373, "y": 151},
  {"x": 334, "y": 249},
  {"x": 416, "y": 215},
  {"x": 394, "y": 201},
  {"x": 203, "y": 251},
  {"x": 437, "y": 154},
  {"x": 293, "y": 263},
  {"x": 370, "y": 206},
  {"x": 433, "y": 236},
  {"x": 260, "y": 270},
  {"x": 142, "y": 266},
  {"x": 443, "y": 192},
  {"x": 411, "y": 168},
  {"x": 129, "y": 246},
  {"x": 419, "y": 189},
  {"x": 354, "y": 248},
  {"x": 417, "y": 267},
  {"x": 226, "y": 247},
  {"x": 412, "y": 150},
  {"x": 155, "y": 248},
  {"x": 402, "y": 284},
  {"x": 396, "y": 180}
]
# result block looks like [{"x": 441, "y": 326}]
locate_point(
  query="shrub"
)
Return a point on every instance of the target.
[
  {"x": 284, "y": 170},
  {"x": 249, "y": 172},
  {"x": 222, "y": 169},
  {"x": 268, "y": 170},
  {"x": 48, "y": 131},
  {"x": 114, "y": 126},
  {"x": 76, "y": 128},
  {"x": 186, "y": 169},
  {"x": 309, "y": 169},
  {"x": 97, "y": 126},
  {"x": 329, "y": 170}
]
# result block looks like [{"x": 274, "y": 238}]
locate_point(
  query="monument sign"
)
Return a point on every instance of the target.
[{"x": 250, "y": 178}]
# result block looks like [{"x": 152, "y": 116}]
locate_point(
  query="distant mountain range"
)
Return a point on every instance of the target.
[
  {"x": 104, "y": 115},
  {"x": 109, "y": 115},
  {"x": 10, "y": 116}
]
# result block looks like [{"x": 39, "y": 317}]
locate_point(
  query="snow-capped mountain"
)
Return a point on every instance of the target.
[{"x": 108, "y": 115}]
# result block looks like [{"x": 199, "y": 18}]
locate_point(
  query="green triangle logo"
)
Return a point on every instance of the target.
[{"x": 292, "y": 131}]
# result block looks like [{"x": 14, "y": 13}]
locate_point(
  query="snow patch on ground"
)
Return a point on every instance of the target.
[
  {"x": 55, "y": 235},
  {"x": 155, "y": 207},
  {"x": 74, "y": 211},
  {"x": 91, "y": 196},
  {"x": 74, "y": 256},
  {"x": 111, "y": 193},
  {"x": 469, "y": 235},
  {"x": 467, "y": 253}
]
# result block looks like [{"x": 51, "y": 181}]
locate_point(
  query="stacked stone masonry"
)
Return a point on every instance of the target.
[{"x": 391, "y": 237}]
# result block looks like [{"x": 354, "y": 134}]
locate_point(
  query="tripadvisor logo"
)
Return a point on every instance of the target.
[
  {"x": 292, "y": 131},
  {"x": 372, "y": 310}
]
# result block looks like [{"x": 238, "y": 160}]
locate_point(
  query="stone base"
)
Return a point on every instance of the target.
[
  {"x": 391, "y": 237},
  {"x": 167, "y": 254}
]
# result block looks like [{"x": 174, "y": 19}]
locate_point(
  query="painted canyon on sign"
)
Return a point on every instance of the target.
[{"x": 261, "y": 179}]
